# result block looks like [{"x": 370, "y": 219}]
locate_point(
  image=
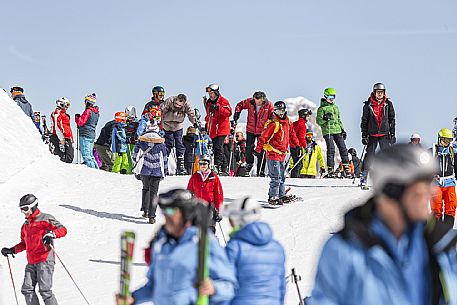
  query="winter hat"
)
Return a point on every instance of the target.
[
  {"x": 17, "y": 89},
  {"x": 91, "y": 99},
  {"x": 191, "y": 130},
  {"x": 243, "y": 211},
  {"x": 151, "y": 137}
]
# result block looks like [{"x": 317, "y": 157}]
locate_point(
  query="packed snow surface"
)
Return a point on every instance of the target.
[{"x": 96, "y": 206}]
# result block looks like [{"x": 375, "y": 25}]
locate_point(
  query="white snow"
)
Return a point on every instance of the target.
[{"x": 96, "y": 206}]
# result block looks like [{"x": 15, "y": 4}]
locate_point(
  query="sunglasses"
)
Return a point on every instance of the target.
[
  {"x": 161, "y": 93},
  {"x": 169, "y": 211},
  {"x": 203, "y": 163}
]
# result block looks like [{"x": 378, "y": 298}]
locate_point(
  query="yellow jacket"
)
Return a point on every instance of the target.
[{"x": 310, "y": 160}]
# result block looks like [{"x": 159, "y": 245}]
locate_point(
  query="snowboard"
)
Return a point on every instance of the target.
[{"x": 127, "y": 245}]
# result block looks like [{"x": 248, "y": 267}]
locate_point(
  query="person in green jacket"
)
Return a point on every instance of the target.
[{"x": 328, "y": 118}]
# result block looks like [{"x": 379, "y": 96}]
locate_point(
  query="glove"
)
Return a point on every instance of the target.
[
  {"x": 327, "y": 116},
  {"x": 364, "y": 139},
  {"x": 196, "y": 125},
  {"x": 299, "y": 151},
  {"x": 344, "y": 135},
  {"x": 393, "y": 139},
  {"x": 62, "y": 147},
  {"x": 77, "y": 115},
  {"x": 236, "y": 116},
  {"x": 218, "y": 217},
  {"x": 48, "y": 237},
  {"x": 8, "y": 251},
  {"x": 322, "y": 171},
  {"x": 213, "y": 107}
]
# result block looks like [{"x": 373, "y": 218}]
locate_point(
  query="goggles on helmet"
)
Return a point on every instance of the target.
[
  {"x": 169, "y": 199},
  {"x": 280, "y": 111}
]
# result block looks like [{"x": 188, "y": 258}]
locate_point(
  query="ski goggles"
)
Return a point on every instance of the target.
[
  {"x": 27, "y": 208},
  {"x": 169, "y": 211},
  {"x": 161, "y": 94},
  {"x": 170, "y": 198},
  {"x": 330, "y": 97},
  {"x": 203, "y": 163}
]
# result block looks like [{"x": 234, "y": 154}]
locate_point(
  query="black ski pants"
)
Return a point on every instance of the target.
[
  {"x": 174, "y": 139},
  {"x": 373, "y": 142},
  {"x": 251, "y": 139},
  {"x": 149, "y": 194},
  {"x": 218, "y": 148},
  {"x": 339, "y": 141},
  {"x": 67, "y": 154}
]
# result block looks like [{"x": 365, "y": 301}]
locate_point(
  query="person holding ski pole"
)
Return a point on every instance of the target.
[
  {"x": 257, "y": 258},
  {"x": 377, "y": 126},
  {"x": 37, "y": 235},
  {"x": 311, "y": 158},
  {"x": 218, "y": 112},
  {"x": 329, "y": 119},
  {"x": 87, "y": 123},
  {"x": 275, "y": 139},
  {"x": 173, "y": 259},
  {"x": 260, "y": 110}
]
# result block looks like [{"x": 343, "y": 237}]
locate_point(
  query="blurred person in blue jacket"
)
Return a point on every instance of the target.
[
  {"x": 257, "y": 258},
  {"x": 172, "y": 274},
  {"x": 387, "y": 253}
]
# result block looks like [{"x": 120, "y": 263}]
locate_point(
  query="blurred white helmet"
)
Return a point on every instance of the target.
[
  {"x": 130, "y": 111},
  {"x": 62, "y": 102},
  {"x": 415, "y": 136},
  {"x": 243, "y": 211}
]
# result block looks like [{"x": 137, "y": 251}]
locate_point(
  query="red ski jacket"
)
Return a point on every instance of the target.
[
  {"x": 276, "y": 138},
  {"x": 32, "y": 231},
  {"x": 218, "y": 121},
  {"x": 209, "y": 190},
  {"x": 300, "y": 131},
  {"x": 256, "y": 120},
  {"x": 61, "y": 124}
]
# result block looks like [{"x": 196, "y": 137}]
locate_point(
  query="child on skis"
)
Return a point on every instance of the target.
[
  {"x": 275, "y": 140},
  {"x": 206, "y": 185},
  {"x": 119, "y": 144}
]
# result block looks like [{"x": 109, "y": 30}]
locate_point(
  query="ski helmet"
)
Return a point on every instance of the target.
[
  {"x": 17, "y": 89},
  {"x": 379, "y": 86},
  {"x": 158, "y": 89},
  {"x": 28, "y": 202},
  {"x": 396, "y": 167},
  {"x": 91, "y": 98},
  {"x": 182, "y": 199},
  {"x": 455, "y": 120},
  {"x": 415, "y": 136},
  {"x": 302, "y": 113},
  {"x": 259, "y": 95},
  {"x": 445, "y": 133},
  {"x": 280, "y": 109},
  {"x": 243, "y": 211},
  {"x": 120, "y": 117},
  {"x": 205, "y": 158},
  {"x": 352, "y": 151},
  {"x": 212, "y": 88},
  {"x": 130, "y": 111},
  {"x": 329, "y": 92},
  {"x": 62, "y": 102}
]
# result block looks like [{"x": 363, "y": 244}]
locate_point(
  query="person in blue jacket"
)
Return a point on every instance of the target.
[
  {"x": 387, "y": 253},
  {"x": 257, "y": 258},
  {"x": 172, "y": 274},
  {"x": 119, "y": 144}
]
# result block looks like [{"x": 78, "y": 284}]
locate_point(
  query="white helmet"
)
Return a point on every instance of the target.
[
  {"x": 130, "y": 111},
  {"x": 62, "y": 102},
  {"x": 415, "y": 136},
  {"x": 243, "y": 211},
  {"x": 212, "y": 87}
]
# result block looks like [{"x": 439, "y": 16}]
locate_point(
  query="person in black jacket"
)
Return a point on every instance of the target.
[
  {"x": 377, "y": 126},
  {"x": 103, "y": 146},
  {"x": 189, "y": 153}
]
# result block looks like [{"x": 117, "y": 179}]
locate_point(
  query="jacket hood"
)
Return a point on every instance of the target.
[{"x": 255, "y": 233}]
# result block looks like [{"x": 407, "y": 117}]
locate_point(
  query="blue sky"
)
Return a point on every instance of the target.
[{"x": 121, "y": 49}]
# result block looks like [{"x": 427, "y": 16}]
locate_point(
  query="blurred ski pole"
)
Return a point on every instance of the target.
[
  {"x": 12, "y": 280},
  {"x": 222, "y": 231},
  {"x": 295, "y": 279}
]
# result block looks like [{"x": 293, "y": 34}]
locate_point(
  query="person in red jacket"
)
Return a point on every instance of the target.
[
  {"x": 275, "y": 139},
  {"x": 205, "y": 184},
  {"x": 61, "y": 141},
  {"x": 218, "y": 112},
  {"x": 300, "y": 132},
  {"x": 37, "y": 234},
  {"x": 260, "y": 110}
]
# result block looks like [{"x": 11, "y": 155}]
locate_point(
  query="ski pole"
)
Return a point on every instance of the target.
[
  {"x": 361, "y": 161},
  {"x": 263, "y": 158},
  {"x": 12, "y": 280},
  {"x": 295, "y": 164},
  {"x": 69, "y": 274},
  {"x": 222, "y": 231},
  {"x": 295, "y": 279}
]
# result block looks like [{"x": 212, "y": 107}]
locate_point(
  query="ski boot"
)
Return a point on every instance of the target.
[
  {"x": 180, "y": 168},
  {"x": 145, "y": 214},
  {"x": 248, "y": 169},
  {"x": 364, "y": 180},
  {"x": 288, "y": 198},
  {"x": 330, "y": 173},
  {"x": 223, "y": 172},
  {"x": 274, "y": 201},
  {"x": 152, "y": 220},
  {"x": 347, "y": 171}
]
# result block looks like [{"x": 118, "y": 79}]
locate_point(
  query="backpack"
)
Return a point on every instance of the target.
[{"x": 267, "y": 146}]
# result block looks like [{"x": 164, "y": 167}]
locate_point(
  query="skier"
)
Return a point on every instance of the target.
[
  {"x": 61, "y": 141},
  {"x": 158, "y": 94},
  {"x": 172, "y": 259},
  {"x": 130, "y": 132},
  {"x": 218, "y": 112},
  {"x": 103, "y": 146},
  {"x": 17, "y": 94},
  {"x": 174, "y": 111},
  {"x": 275, "y": 139},
  {"x": 119, "y": 144},
  {"x": 444, "y": 201},
  {"x": 387, "y": 253},
  {"x": 454, "y": 130},
  {"x": 150, "y": 121},
  {"x": 189, "y": 153},
  {"x": 206, "y": 185},
  {"x": 37, "y": 235},
  {"x": 87, "y": 122},
  {"x": 313, "y": 155},
  {"x": 240, "y": 155},
  {"x": 300, "y": 132},
  {"x": 415, "y": 139},
  {"x": 260, "y": 110},
  {"x": 356, "y": 162},
  {"x": 328, "y": 118},
  {"x": 37, "y": 121},
  {"x": 377, "y": 125},
  {"x": 257, "y": 258},
  {"x": 151, "y": 163}
]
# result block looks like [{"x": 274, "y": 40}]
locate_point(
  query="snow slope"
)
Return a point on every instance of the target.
[{"x": 96, "y": 206}]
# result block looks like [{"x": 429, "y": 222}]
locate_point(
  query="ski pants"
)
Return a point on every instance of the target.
[
  {"x": 67, "y": 154},
  {"x": 174, "y": 139},
  {"x": 121, "y": 163},
  {"x": 85, "y": 146},
  {"x": 371, "y": 148},
  {"x": 339, "y": 141},
  {"x": 41, "y": 274},
  {"x": 443, "y": 200},
  {"x": 149, "y": 193},
  {"x": 276, "y": 171},
  {"x": 105, "y": 155},
  {"x": 251, "y": 139},
  {"x": 218, "y": 147}
]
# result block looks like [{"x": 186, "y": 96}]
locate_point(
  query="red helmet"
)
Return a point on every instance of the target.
[{"x": 120, "y": 117}]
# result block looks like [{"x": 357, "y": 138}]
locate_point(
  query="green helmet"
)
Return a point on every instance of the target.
[
  {"x": 445, "y": 133},
  {"x": 329, "y": 91}
]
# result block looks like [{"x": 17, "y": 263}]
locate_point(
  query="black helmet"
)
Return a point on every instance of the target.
[
  {"x": 352, "y": 151},
  {"x": 158, "y": 89},
  {"x": 29, "y": 201},
  {"x": 182, "y": 199},
  {"x": 379, "y": 86},
  {"x": 302, "y": 113},
  {"x": 280, "y": 109}
]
